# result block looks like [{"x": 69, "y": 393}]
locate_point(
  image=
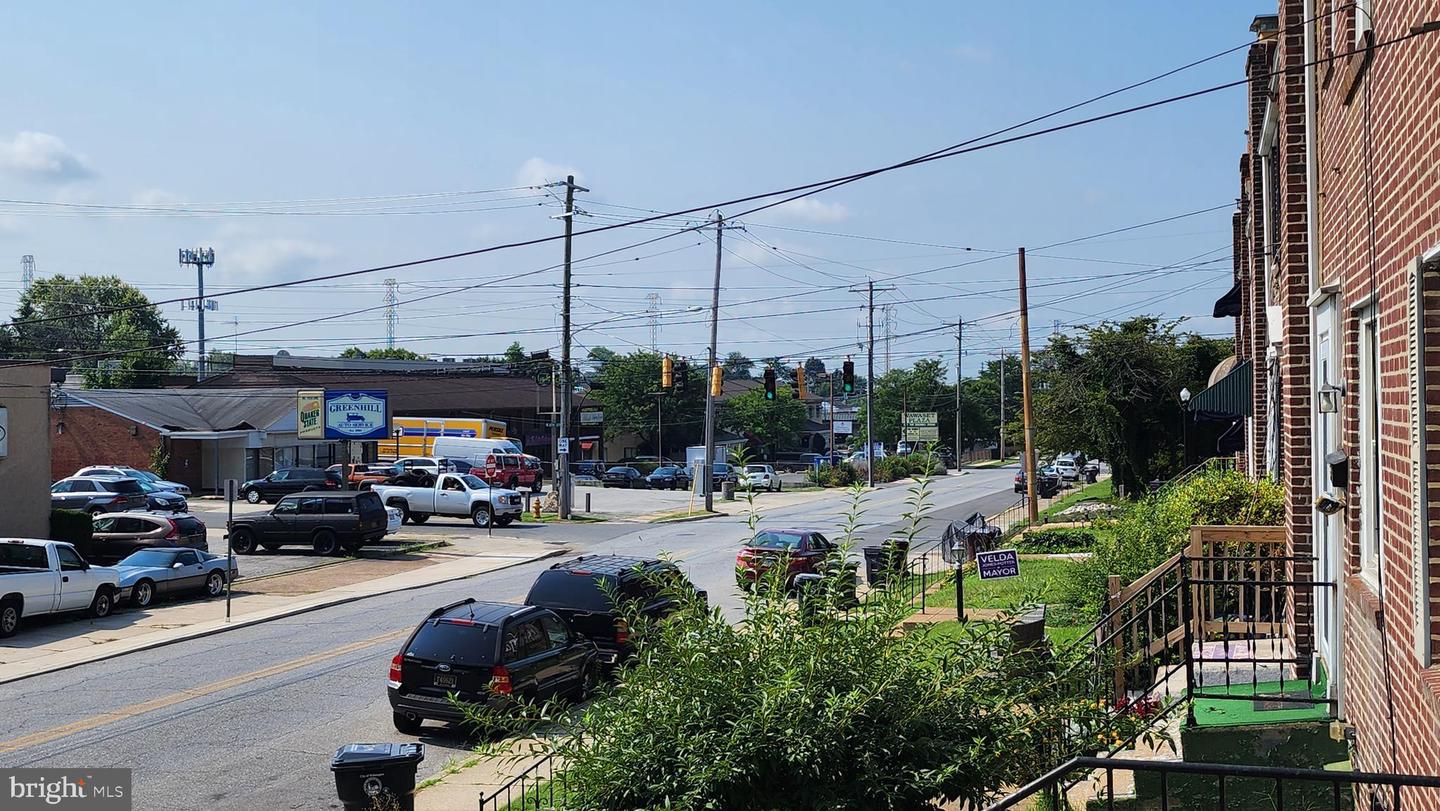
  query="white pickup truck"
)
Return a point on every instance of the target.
[
  {"x": 48, "y": 577},
  {"x": 455, "y": 494}
]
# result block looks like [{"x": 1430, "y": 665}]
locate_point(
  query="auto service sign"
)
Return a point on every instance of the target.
[{"x": 357, "y": 414}]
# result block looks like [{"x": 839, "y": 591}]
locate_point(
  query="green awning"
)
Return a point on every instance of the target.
[{"x": 1230, "y": 397}]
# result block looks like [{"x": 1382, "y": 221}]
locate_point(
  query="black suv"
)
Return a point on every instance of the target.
[
  {"x": 291, "y": 480},
  {"x": 485, "y": 653},
  {"x": 327, "y": 522},
  {"x": 579, "y": 590}
]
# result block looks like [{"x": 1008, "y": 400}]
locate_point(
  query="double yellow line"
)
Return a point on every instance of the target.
[{"x": 135, "y": 710}]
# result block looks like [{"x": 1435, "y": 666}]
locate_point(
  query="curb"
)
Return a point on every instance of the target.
[
  {"x": 430, "y": 547},
  {"x": 685, "y": 519},
  {"x": 200, "y": 633}
]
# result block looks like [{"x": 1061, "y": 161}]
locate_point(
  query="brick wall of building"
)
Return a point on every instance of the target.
[
  {"x": 1379, "y": 184},
  {"x": 82, "y": 436}
]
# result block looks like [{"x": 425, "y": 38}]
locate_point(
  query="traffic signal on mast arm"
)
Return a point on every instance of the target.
[
  {"x": 848, "y": 377},
  {"x": 681, "y": 374},
  {"x": 667, "y": 372},
  {"x": 800, "y": 381},
  {"x": 769, "y": 383},
  {"x": 717, "y": 380}
]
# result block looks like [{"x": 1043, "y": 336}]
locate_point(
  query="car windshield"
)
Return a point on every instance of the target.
[
  {"x": 456, "y": 640},
  {"x": 781, "y": 541},
  {"x": 473, "y": 482},
  {"x": 619, "y": 470},
  {"x": 125, "y": 486},
  {"x": 145, "y": 475},
  {"x": 149, "y": 557},
  {"x": 666, "y": 471}
]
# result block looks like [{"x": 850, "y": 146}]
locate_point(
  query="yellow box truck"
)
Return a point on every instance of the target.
[{"x": 415, "y": 436}]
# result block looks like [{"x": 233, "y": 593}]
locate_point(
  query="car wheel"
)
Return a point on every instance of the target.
[
  {"x": 535, "y": 488},
  {"x": 143, "y": 594},
  {"x": 406, "y": 725},
  {"x": 215, "y": 584},
  {"x": 513, "y": 484},
  {"x": 482, "y": 516},
  {"x": 242, "y": 541},
  {"x": 589, "y": 680},
  {"x": 325, "y": 542},
  {"x": 419, "y": 518},
  {"x": 9, "y": 618},
  {"x": 252, "y": 496},
  {"x": 103, "y": 604},
  {"x": 94, "y": 511}
]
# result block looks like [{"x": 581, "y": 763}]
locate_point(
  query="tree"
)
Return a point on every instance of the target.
[
  {"x": 386, "y": 353},
  {"x": 515, "y": 353},
  {"x": 772, "y": 423},
  {"x": 737, "y": 366},
  {"x": 919, "y": 388},
  {"x": 1113, "y": 392},
  {"x": 814, "y": 369},
  {"x": 625, "y": 386},
  {"x": 126, "y": 348}
]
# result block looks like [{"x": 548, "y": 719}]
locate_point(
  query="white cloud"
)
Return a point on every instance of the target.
[
  {"x": 156, "y": 198},
  {"x": 971, "y": 53},
  {"x": 268, "y": 257},
  {"x": 810, "y": 210},
  {"x": 538, "y": 171},
  {"x": 41, "y": 156}
]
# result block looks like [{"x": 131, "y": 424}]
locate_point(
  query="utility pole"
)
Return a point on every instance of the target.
[
  {"x": 830, "y": 381},
  {"x": 1002, "y": 402},
  {"x": 959, "y": 380},
  {"x": 1029, "y": 465},
  {"x": 707, "y": 475},
  {"x": 567, "y": 388},
  {"x": 870, "y": 377},
  {"x": 201, "y": 258}
]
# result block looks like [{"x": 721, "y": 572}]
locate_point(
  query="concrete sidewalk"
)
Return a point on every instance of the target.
[
  {"x": 463, "y": 783},
  {"x": 47, "y": 645}
]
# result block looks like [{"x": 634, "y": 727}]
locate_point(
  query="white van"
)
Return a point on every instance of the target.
[{"x": 472, "y": 449}]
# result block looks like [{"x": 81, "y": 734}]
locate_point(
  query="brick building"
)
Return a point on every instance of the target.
[{"x": 1337, "y": 245}]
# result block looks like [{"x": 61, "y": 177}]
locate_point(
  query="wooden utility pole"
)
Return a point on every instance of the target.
[
  {"x": 959, "y": 381},
  {"x": 562, "y": 461},
  {"x": 1029, "y": 462},
  {"x": 708, "y": 474}
]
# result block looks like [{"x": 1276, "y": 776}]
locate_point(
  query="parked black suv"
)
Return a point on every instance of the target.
[
  {"x": 486, "y": 653},
  {"x": 327, "y": 522},
  {"x": 291, "y": 480},
  {"x": 579, "y": 590}
]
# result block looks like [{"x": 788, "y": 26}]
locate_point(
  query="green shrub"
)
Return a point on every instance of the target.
[
  {"x": 74, "y": 527},
  {"x": 1147, "y": 532},
  {"x": 841, "y": 475},
  {"x": 1055, "y": 541}
]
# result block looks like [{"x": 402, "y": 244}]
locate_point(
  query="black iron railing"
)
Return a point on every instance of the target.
[
  {"x": 1162, "y": 784},
  {"x": 542, "y": 785}
]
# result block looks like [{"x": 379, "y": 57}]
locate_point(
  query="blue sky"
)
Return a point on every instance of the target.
[{"x": 656, "y": 106}]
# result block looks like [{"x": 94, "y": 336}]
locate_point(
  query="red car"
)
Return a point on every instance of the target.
[
  {"x": 512, "y": 470},
  {"x": 804, "y": 552}
]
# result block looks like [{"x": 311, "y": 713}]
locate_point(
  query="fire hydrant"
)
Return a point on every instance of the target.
[{"x": 535, "y": 507}]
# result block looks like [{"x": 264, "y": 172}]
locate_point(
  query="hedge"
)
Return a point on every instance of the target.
[{"x": 73, "y": 527}]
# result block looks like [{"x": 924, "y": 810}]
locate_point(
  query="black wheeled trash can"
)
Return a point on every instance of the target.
[{"x": 377, "y": 775}]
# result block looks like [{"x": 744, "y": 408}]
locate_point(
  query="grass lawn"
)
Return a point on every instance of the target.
[
  {"x": 1101, "y": 491},
  {"x": 1040, "y": 581},
  {"x": 552, "y": 518},
  {"x": 1011, "y": 460}
]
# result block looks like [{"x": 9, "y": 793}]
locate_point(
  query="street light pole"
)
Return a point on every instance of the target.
[{"x": 1184, "y": 428}]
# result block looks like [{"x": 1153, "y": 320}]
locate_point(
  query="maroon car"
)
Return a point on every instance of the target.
[{"x": 803, "y": 551}]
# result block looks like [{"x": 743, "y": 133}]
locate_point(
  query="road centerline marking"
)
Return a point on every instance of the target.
[{"x": 180, "y": 696}]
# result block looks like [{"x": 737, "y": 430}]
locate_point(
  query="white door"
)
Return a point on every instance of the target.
[
  {"x": 1325, "y": 373},
  {"x": 77, "y": 587}
]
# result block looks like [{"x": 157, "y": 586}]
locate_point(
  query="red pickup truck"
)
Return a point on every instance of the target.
[{"x": 512, "y": 470}]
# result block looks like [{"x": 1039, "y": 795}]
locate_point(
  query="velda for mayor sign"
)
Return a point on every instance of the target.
[{"x": 343, "y": 414}]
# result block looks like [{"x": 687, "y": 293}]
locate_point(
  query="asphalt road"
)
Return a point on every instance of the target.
[{"x": 249, "y": 718}]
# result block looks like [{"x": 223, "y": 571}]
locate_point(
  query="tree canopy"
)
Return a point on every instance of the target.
[
  {"x": 772, "y": 423},
  {"x": 626, "y": 387},
  {"x": 123, "y": 348},
  {"x": 736, "y": 366},
  {"x": 385, "y": 353}
]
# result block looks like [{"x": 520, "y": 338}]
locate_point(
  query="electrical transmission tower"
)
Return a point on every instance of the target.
[
  {"x": 27, "y": 271},
  {"x": 888, "y": 312},
  {"x": 392, "y": 304},
  {"x": 653, "y": 308}
]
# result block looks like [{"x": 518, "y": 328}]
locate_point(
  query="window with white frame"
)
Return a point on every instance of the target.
[
  {"x": 1363, "y": 24},
  {"x": 1367, "y": 455}
]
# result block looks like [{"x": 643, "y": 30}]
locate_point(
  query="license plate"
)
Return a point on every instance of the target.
[{"x": 445, "y": 680}]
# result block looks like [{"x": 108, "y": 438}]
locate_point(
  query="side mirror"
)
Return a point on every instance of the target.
[{"x": 176, "y": 565}]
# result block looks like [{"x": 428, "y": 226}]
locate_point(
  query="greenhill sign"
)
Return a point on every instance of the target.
[{"x": 343, "y": 414}]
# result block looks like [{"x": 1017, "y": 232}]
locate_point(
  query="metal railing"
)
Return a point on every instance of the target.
[
  {"x": 1165, "y": 784},
  {"x": 539, "y": 786}
]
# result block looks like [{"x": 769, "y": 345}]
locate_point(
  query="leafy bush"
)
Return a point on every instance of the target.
[
  {"x": 1055, "y": 541},
  {"x": 1149, "y": 531},
  {"x": 841, "y": 475},
  {"x": 74, "y": 527}
]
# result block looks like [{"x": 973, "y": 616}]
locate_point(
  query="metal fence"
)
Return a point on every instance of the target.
[{"x": 539, "y": 786}]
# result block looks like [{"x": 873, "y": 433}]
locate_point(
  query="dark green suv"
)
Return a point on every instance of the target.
[{"x": 329, "y": 523}]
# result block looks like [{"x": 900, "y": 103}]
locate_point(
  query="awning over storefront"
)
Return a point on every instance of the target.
[
  {"x": 1228, "y": 305},
  {"x": 1227, "y": 398}
]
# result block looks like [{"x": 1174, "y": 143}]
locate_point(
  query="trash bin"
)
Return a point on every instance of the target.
[
  {"x": 377, "y": 775},
  {"x": 882, "y": 561},
  {"x": 1090, "y": 475},
  {"x": 727, "y": 489}
]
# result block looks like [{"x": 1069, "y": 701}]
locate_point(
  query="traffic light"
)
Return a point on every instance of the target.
[
  {"x": 800, "y": 382},
  {"x": 769, "y": 383},
  {"x": 848, "y": 377},
  {"x": 682, "y": 375},
  {"x": 667, "y": 372},
  {"x": 717, "y": 381}
]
